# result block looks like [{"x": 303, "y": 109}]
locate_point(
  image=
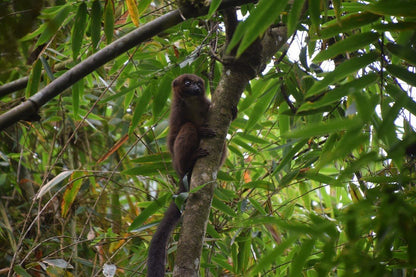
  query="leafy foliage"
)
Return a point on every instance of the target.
[{"x": 320, "y": 177}]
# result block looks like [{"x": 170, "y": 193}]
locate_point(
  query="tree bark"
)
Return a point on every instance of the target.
[{"x": 236, "y": 75}]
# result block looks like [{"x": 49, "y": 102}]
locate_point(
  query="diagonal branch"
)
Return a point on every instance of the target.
[{"x": 118, "y": 47}]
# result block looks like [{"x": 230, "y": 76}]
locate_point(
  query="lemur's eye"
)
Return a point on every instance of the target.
[{"x": 187, "y": 83}]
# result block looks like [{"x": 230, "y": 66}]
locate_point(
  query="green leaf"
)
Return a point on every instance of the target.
[
  {"x": 78, "y": 29},
  {"x": 341, "y": 71},
  {"x": 269, "y": 257},
  {"x": 21, "y": 271},
  {"x": 324, "y": 128},
  {"x": 143, "y": 4},
  {"x": 337, "y": 93},
  {"x": 289, "y": 155},
  {"x": 148, "y": 169},
  {"x": 394, "y": 27},
  {"x": 34, "y": 79},
  {"x": 364, "y": 160},
  {"x": 396, "y": 8},
  {"x": 293, "y": 16},
  {"x": 150, "y": 210},
  {"x": 142, "y": 104},
  {"x": 265, "y": 13},
  {"x": 213, "y": 7},
  {"x": 221, "y": 206},
  {"x": 402, "y": 73},
  {"x": 314, "y": 9},
  {"x": 346, "y": 24},
  {"x": 162, "y": 94},
  {"x": 349, "y": 44},
  {"x": 158, "y": 157},
  {"x": 95, "y": 27},
  {"x": 109, "y": 21},
  {"x": 349, "y": 142},
  {"x": 54, "y": 24},
  {"x": 321, "y": 178},
  {"x": 399, "y": 95},
  {"x": 262, "y": 103},
  {"x": 300, "y": 258},
  {"x": 404, "y": 52},
  {"x": 77, "y": 92}
]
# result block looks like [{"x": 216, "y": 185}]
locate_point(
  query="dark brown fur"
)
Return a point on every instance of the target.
[{"x": 187, "y": 126}]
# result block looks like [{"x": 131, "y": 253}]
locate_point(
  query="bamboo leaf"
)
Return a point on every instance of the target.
[
  {"x": 78, "y": 29},
  {"x": 324, "y": 128},
  {"x": 221, "y": 206},
  {"x": 403, "y": 52},
  {"x": 213, "y": 7},
  {"x": 148, "y": 169},
  {"x": 52, "y": 183},
  {"x": 314, "y": 9},
  {"x": 142, "y": 103},
  {"x": 161, "y": 96},
  {"x": 399, "y": 95},
  {"x": 265, "y": 13},
  {"x": 133, "y": 12},
  {"x": 150, "y": 210},
  {"x": 71, "y": 192},
  {"x": 34, "y": 79},
  {"x": 349, "y": 44},
  {"x": 340, "y": 72},
  {"x": 77, "y": 92},
  {"x": 337, "y": 93},
  {"x": 300, "y": 258},
  {"x": 262, "y": 104},
  {"x": 95, "y": 27},
  {"x": 402, "y": 73},
  {"x": 346, "y": 24},
  {"x": 54, "y": 24},
  {"x": 396, "y": 8},
  {"x": 109, "y": 21},
  {"x": 143, "y": 4},
  {"x": 293, "y": 16}
]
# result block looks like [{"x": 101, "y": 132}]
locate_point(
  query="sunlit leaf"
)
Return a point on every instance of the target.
[
  {"x": 341, "y": 71},
  {"x": 213, "y": 7},
  {"x": 314, "y": 9},
  {"x": 396, "y": 8},
  {"x": 293, "y": 16},
  {"x": 404, "y": 52},
  {"x": 337, "y": 93},
  {"x": 265, "y": 13},
  {"x": 346, "y": 24},
  {"x": 349, "y": 44},
  {"x": 324, "y": 128}
]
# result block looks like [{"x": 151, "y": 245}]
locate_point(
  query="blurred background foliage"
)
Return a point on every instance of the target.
[{"x": 320, "y": 177}]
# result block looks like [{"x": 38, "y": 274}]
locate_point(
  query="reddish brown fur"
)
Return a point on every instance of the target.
[
  {"x": 187, "y": 126},
  {"x": 188, "y": 122}
]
